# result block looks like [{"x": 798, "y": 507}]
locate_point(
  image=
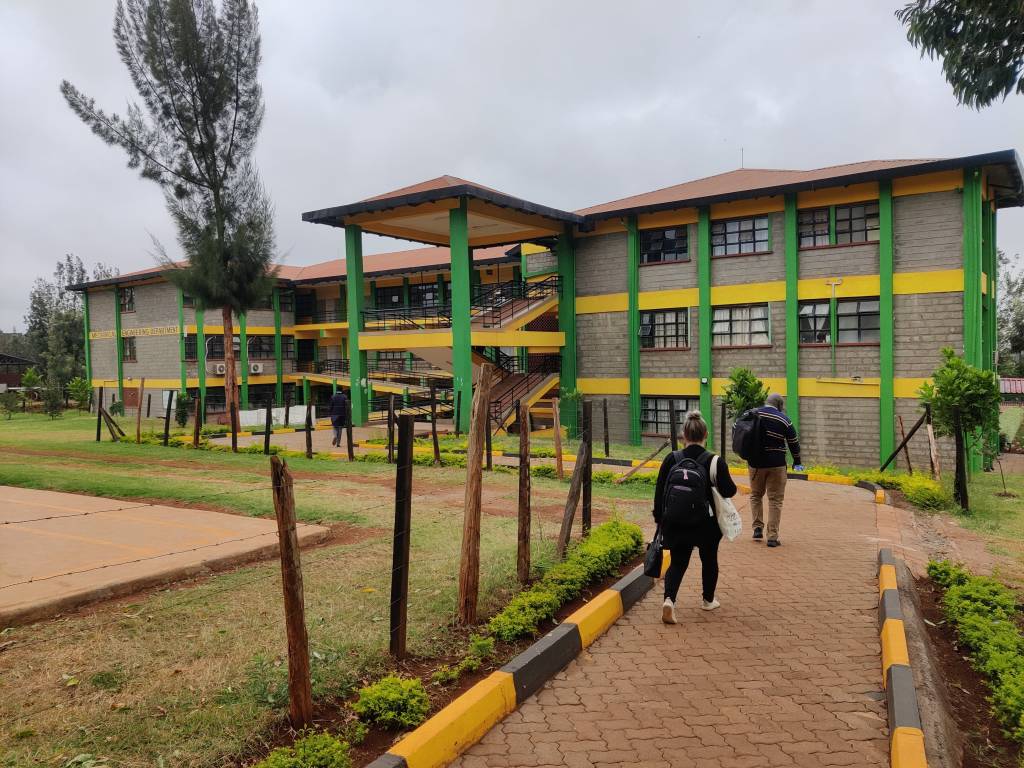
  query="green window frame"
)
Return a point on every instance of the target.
[
  {"x": 656, "y": 415},
  {"x": 741, "y": 237},
  {"x": 665, "y": 329},
  {"x": 741, "y": 325}
]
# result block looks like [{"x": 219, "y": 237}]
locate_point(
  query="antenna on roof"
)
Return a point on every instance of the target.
[{"x": 741, "y": 157}]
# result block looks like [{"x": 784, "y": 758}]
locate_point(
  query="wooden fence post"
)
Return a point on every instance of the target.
[
  {"x": 487, "y": 442},
  {"x": 288, "y": 408},
  {"x": 391, "y": 428},
  {"x": 433, "y": 425},
  {"x": 99, "y": 416},
  {"x": 933, "y": 451},
  {"x": 523, "y": 541},
  {"x": 138, "y": 411},
  {"x": 167, "y": 416},
  {"x": 469, "y": 563},
  {"x": 642, "y": 464},
  {"x": 309, "y": 429},
  {"x": 588, "y": 468},
  {"x": 673, "y": 422},
  {"x": 458, "y": 407},
  {"x": 555, "y": 408},
  {"x": 348, "y": 432},
  {"x": 300, "y": 694},
  {"x": 607, "y": 443},
  {"x": 149, "y": 404},
  {"x": 268, "y": 426},
  {"x": 575, "y": 485},
  {"x": 197, "y": 424},
  {"x": 906, "y": 450},
  {"x": 234, "y": 427},
  {"x": 400, "y": 547}
]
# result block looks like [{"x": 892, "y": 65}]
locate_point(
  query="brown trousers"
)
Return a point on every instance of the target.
[{"x": 773, "y": 482}]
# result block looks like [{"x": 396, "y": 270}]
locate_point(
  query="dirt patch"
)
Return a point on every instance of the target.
[
  {"x": 985, "y": 745},
  {"x": 334, "y": 715}
]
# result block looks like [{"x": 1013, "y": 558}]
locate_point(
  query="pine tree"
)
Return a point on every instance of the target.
[{"x": 194, "y": 64}]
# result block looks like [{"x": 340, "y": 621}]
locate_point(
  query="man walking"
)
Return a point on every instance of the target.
[
  {"x": 768, "y": 466},
  {"x": 338, "y": 411}
]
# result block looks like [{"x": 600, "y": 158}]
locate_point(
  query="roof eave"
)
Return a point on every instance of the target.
[{"x": 1008, "y": 157}]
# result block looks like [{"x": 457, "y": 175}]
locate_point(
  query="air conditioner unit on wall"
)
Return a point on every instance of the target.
[
  {"x": 256, "y": 368},
  {"x": 221, "y": 369},
  {"x": 212, "y": 367}
]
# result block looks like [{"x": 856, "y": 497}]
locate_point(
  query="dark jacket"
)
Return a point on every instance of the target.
[
  {"x": 338, "y": 409},
  {"x": 725, "y": 485},
  {"x": 777, "y": 432}
]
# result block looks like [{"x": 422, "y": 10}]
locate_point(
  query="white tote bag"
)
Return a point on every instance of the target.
[{"x": 729, "y": 519}]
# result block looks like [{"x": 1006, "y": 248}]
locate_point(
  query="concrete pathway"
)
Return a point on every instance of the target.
[
  {"x": 785, "y": 673},
  {"x": 61, "y": 550}
]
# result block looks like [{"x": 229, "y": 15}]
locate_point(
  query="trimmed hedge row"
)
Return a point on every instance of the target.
[
  {"x": 608, "y": 546},
  {"x": 984, "y": 614}
]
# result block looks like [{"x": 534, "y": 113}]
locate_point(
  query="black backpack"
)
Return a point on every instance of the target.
[
  {"x": 686, "y": 495},
  {"x": 746, "y": 435}
]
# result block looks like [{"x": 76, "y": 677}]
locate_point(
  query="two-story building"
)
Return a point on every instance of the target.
[{"x": 837, "y": 286}]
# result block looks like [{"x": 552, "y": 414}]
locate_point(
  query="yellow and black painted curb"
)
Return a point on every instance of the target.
[
  {"x": 464, "y": 722},
  {"x": 906, "y": 737}
]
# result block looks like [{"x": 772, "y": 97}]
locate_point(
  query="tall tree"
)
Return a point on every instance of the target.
[
  {"x": 194, "y": 64},
  {"x": 1010, "y": 316},
  {"x": 980, "y": 42}
]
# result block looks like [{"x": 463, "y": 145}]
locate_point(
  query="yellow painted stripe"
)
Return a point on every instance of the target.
[
  {"x": 681, "y": 387},
  {"x": 461, "y": 724},
  {"x": 320, "y": 326},
  {"x": 673, "y": 218},
  {"x": 906, "y": 749},
  {"x": 405, "y": 340},
  {"x": 879, "y": 496},
  {"x": 886, "y": 578},
  {"x": 606, "y": 302},
  {"x": 679, "y": 297},
  {"x": 517, "y": 338},
  {"x": 252, "y": 330},
  {"x": 597, "y": 615},
  {"x": 932, "y": 281},
  {"x": 833, "y": 479},
  {"x": 894, "y": 645},
  {"x": 603, "y": 386},
  {"x": 530, "y": 249},
  {"x": 943, "y": 181},
  {"x": 751, "y": 207},
  {"x": 853, "y": 193}
]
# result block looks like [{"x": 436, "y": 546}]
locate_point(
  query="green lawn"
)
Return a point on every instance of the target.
[{"x": 192, "y": 675}]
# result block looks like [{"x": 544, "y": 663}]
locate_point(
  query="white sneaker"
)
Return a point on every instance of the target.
[
  {"x": 668, "y": 612},
  {"x": 712, "y": 605}
]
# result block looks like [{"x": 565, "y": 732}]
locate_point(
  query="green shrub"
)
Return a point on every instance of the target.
[
  {"x": 481, "y": 646},
  {"x": 444, "y": 675},
  {"x": 318, "y": 750},
  {"x": 183, "y": 409},
  {"x": 599, "y": 555},
  {"x": 984, "y": 614},
  {"x": 918, "y": 489},
  {"x": 543, "y": 470},
  {"x": 946, "y": 574},
  {"x": 116, "y": 408},
  {"x": 393, "y": 702}
]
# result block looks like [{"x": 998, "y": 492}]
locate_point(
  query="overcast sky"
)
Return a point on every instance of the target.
[{"x": 566, "y": 104}]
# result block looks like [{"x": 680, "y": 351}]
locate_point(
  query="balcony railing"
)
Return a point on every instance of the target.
[
  {"x": 540, "y": 367},
  {"x": 408, "y": 318},
  {"x": 327, "y": 316},
  {"x": 494, "y": 305}
]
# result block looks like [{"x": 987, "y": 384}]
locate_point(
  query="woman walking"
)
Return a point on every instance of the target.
[{"x": 684, "y": 509}]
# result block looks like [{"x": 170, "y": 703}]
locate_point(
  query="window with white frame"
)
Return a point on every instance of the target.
[
  {"x": 857, "y": 321},
  {"x": 815, "y": 322},
  {"x": 740, "y": 326},
  {"x": 656, "y": 417},
  {"x": 740, "y": 236},
  {"x": 662, "y": 246},
  {"x": 665, "y": 328}
]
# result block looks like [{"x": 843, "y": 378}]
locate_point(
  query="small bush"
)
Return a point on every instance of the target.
[
  {"x": 318, "y": 750},
  {"x": 984, "y": 614},
  {"x": 481, "y": 646},
  {"x": 543, "y": 470},
  {"x": 599, "y": 555},
  {"x": 393, "y": 702},
  {"x": 919, "y": 490},
  {"x": 444, "y": 675},
  {"x": 116, "y": 408}
]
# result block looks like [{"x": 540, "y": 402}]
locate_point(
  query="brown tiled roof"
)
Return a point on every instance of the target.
[
  {"x": 441, "y": 182},
  {"x": 746, "y": 180},
  {"x": 410, "y": 260}
]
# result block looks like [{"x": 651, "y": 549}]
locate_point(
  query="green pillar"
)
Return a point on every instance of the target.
[
  {"x": 354, "y": 306},
  {"x": 462, "y": 339},
  {"x": 988, "y": 268},
  {"x": 278, "y": 359},
  {"x": 792, "y": 311},
  {"x": 243, "y": 355},
  {"x": 305, "y": 391},
  {"x": 973, "y": 315},
  {"x": 704, "y": 321},
  {"x": 85, "y": 325},
  {"x": 118, "y": 344},
  {"x": 201, "y": 356},
  {"x": 886, "y": 333},
  {"x": 633, "y": 326},
  {"x": 181, "y": 342},
  {"x": 334, "y": 386},
  {"x": 566, "y": 255}
]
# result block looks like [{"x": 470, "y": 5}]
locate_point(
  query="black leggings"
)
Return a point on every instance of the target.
[{"x": 707, "y": 545}]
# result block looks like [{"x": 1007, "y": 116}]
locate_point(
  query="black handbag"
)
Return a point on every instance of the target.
[{"x": 654, "y": 557}]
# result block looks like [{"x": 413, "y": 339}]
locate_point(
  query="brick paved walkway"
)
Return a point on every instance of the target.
[{"x": 785, "y": 673}]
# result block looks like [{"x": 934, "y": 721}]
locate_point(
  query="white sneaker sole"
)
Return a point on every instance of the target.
[
  {"x": 710, "y": 606},
  {"x": 668, "y": 614}
]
